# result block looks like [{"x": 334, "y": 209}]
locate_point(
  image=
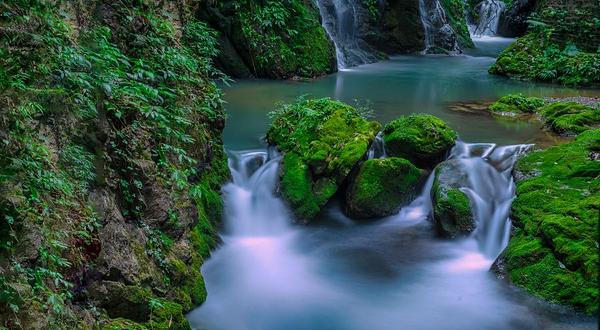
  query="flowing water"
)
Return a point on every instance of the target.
[
  {"x": 392, "y": 273},
  {"x": 340, "y": 23},
  {"x": 436, "y": 27},
  {"x": 489, "y": 12}
]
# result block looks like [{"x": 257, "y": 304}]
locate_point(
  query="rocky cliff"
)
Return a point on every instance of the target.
[{"x": 111, "y": 163}]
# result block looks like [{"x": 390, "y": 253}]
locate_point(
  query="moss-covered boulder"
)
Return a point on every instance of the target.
[
  {"x": 381, "y": 186},
  {"x": 516, "y": 105},
  {"x": 536, "y": 57},
  {"x": 422, "y": 139},
  {"x": 554, "y": 249},
  {"x": 452, "y": 211},
  {"x": 570, "y": 118},
  {"x": 323, "y": 140}
]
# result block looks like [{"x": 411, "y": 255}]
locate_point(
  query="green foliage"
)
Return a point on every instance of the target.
[
  {"x": 118, "y": 107},
  {"x": 517, "y": 104},
  {"x": 286, "y": 37},
  {"x": 536, "y": 57},
  {"x": 555, "y": 253},
  {"x": 422, "y": 139}
]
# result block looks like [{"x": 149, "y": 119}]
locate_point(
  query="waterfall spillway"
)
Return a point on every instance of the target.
[
  {"x": 488, "y": 20},
  {"x": 340, "y": 21},
  {"x": 377, "y": 149},
  {"x": 491, "y": 190}
]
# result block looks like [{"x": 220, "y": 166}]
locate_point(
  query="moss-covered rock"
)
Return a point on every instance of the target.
[
  {"x": 273, "y": 39},
  {"x": 381, "y": 186},
  {"x": 570, "y": 118},
  {"x": 516, "y": 105},
  {"x": 323, "y": 140},
  {"x": 536, "y": 57},
  {"x": 422, "y": 139},
  {"x": 452, "y": 211},
  {"x": 168, "y": 316},
  {"x": 554, "y": 250},
  {"x": 123, "y": 324}
]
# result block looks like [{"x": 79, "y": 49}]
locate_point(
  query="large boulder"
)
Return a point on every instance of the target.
[
  {"x": 323, "y": 140},
  {"x": 553, "y": 252},
  {"x": 381, "y": 186},
  {"x": 513, "y": 21},
  {"x": 451, "y": 207},
  {"x": 422, "y": 139}
]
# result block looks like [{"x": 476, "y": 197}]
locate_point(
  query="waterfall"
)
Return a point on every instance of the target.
[
  {"x": 438, "y": 32},
  {"x": 490, "y": 189},
  {"x": 341, "y": 24},
  {"x": 489, "y": 12},
  {"x": 377, "y": 149}
]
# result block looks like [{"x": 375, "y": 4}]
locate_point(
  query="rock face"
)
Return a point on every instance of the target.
[
  {"x": 381, "y": 187},
  {"x": 452, "y": 212},
  {"x": 269, "y": 40},
  {"x": 422, "y": 139},
  {"x": 513, "y": 21},
  {"x": 323, "y": 140},
  {"x": 124, "y": 155},
  {"x": 553, "y": 252}
]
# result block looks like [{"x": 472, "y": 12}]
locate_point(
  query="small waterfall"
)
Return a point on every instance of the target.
[
  {"x": 489, "y": 12},
  {"x": 490, "y": 189},
  {"x": 340, "y": 23},
  {"x": 377, "y": 149},
  {"x": 251, "y": 208},
  {"x": 438, "y": 32}
]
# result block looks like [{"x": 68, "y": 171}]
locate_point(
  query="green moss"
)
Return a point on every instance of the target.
[
  {"x": 536, "y": 57},
  {"x": 570, "y": 118},
  {"x": 286, "y": 39},
  {"x": 381, "y": 186},
  {"x": 452, "y": 211},
  {"x": 516, "y": 104},
  {"x": 168, "y": 317},
  {"x": 422, "y": 139},
  {"x": 556, "y": 211},
  {"x": 323, "y": 140},
  {"x": 123, "y": 324}
]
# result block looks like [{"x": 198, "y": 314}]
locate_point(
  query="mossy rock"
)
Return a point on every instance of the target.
[
  {"x": 169, "y": 316},
  {"x": 422, "y": 139},
  {"x": 570, "y": 118},
  {"x": 516, "y": 104},
  {"x": 123, "y": 324},
  {"x": 381, "y": 186},
  {"x": 536, "y": 57},
  {"x": 452, "y": 211},
  {"x": 554, "y": 252},
  {"x": 323, "y": 140}
]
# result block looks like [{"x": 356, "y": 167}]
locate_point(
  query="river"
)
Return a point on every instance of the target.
[{"x": 392, "y": 273}]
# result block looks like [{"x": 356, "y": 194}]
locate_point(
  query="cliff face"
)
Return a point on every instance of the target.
[{"x": 110, "y": 165}]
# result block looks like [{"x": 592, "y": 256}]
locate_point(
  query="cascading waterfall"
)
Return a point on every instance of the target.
[
  {"x": 438, "y": 32},
  {"x": 489, "y": 12},
  {"x": 269, "y": 275},
  {"x": 490, "y": 189},
  {"x": 340, "y": 23}
]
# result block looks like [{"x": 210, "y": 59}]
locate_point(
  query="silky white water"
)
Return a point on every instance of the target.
[
  {"x": 489, "y": 12},
  {"x": 338, "y": 274}
]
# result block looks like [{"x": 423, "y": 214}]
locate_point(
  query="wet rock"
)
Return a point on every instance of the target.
[
  {"x": 381, "y": 187},
  {"x": 513, "y": 21},
  {"x": 422, "y": 139},
  {"x": 451, "y": 207}
]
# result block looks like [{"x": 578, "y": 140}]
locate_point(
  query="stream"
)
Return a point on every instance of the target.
[{"x": 392, "y": 273}]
